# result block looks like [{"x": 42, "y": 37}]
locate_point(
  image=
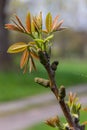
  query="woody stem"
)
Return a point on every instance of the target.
[{"x": 44, "y": 59}]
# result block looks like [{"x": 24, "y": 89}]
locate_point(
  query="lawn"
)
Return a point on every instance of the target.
[
  {"x": 15, "y": 85},
  {"x": 43, "y": 126}
]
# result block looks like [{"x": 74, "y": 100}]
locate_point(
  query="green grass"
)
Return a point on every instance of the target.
[
  {"x": 72, "y": 72},
  {"x": 16, "y": 85},
  {"x": 43, "y": 126}
]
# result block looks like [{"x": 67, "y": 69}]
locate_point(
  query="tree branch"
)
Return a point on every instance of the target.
[{"x": 44, "y": 59}]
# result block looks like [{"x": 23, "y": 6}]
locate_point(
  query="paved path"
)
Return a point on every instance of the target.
[{"x": 20, "y": 114}]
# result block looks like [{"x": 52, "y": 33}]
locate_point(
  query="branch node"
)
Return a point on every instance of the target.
[
  {"x": 62, "y": 93},
  {"x": 54, "y": 65}
]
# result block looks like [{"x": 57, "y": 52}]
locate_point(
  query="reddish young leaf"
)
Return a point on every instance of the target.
[
  {"x": 34, "y": 55},
  {"x": 26, "y": 67},
  {"x": 24, "y": 58},
  {"x": 28, "y": 22},
  {"x": 39, "y": 20},
  {"x": 55, "y": 21},
  {"x": 32, "y": 64},
  {"x": 61, "y": 29},
  {"x": 53, "y": 122},
  {"x": 12, "y": 27},
  {"x": 16, "y": 24},
  {"x": 20, "y": 23},
  {"x": 58, "y": 26},
  {"x": 36, "y": 24}
]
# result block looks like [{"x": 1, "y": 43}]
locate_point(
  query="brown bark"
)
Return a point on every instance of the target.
[{"x": 5, "y": 59}]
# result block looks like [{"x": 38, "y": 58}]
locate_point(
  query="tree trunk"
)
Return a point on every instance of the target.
[{"x": 5, "y": 59}]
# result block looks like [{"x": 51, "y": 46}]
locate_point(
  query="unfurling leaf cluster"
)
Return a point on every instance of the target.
[
  {"x": 73, "y": 105},
  {"x": 33, "y": 28},
  {"x": 74, "y": 108}
]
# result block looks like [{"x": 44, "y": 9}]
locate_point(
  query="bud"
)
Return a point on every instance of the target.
[
  {"x": 43, "y": 82},
  {"x": 53, "y": 122},
  {"x": 54, "y": 65},
  {"x": 62, "y": 92}
]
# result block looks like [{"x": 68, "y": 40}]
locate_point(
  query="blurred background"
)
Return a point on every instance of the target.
[{"x": 69, "y": 48}]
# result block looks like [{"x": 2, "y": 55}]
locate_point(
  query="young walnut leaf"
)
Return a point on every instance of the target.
[
  {"x": 24, "y": 58},
  {"x": 55, "y": 21},
  {"x": 34, "y": 55},
  {"x": 13, "y": 27},
  {"x": 32, "y": 27},
  {"x": 53, "y": 122},
  {"x": 35, "y": 21},
  {"x": 49, "y": 22},
  {"x": 20, "y": 23},
  {"x": 57, "y": 28},
  {"x": 17, "y": 47},
  {"x": 40, "y": 20},
  {"x": 32, "y": 64},
  {"x": 28, "y": 22}
]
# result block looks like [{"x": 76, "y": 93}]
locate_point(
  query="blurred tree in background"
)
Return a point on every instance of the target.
[{"x": 5, "y": 59}]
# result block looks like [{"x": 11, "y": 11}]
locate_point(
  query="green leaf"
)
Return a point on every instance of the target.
[
  {"x": 39, "y": 40},
  {"x": 48, "y": 38},
  {"x": 78, "y": 106},
  {"x": 32, "y": 27},
  {"x": 17, "y": 47},
  {"x": 49, "y": 22}
]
